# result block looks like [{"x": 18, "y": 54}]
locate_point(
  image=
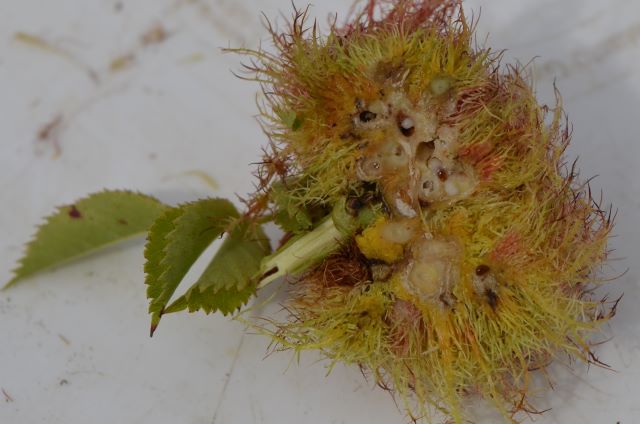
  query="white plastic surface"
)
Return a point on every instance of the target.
[{"x": 74, "y": 345}]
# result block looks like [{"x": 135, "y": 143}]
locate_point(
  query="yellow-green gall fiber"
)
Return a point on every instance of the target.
[{"x": 474, "y": 263}]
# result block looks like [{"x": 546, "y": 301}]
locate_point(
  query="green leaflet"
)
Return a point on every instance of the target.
[
  {"x": 178, "y": 238},
  {"x": 223, "y": 300},
  {"x": 237, "y": 260},
  {"x": 227, "y": 283},
  {"x": 91, "y": 223},
  {"x": 175, "y": 242}
]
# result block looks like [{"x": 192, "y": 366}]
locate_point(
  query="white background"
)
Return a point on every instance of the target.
[{"x": 74, "y": 345}]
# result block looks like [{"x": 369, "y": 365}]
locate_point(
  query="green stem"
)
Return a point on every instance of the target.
[{"x": 302, "y": 253}]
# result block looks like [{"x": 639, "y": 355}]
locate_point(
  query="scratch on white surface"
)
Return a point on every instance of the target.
[
  {"x": 582, "y": 59},
  {"x": 228, "y": 379},
  {"x": 601, "y": 85},
  {"x": 560, "y": 32},
  {"x": 87, "y": 372},
  {"x": 229, "y": 18},
  {"x": 256, "y": 410}
]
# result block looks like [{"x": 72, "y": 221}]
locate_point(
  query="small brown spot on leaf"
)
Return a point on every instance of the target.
[
  {"x": 123, "y": 222},
  {"x": 74, "y": 212}
]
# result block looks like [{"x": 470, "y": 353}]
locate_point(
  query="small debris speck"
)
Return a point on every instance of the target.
[
  {"x": 122, "y": 62},
  {"x": 50, "y": 132},
  {"x": 204, "y": 177},
  {"x": 64, "y": 340},
  {"x": 7, "y": 396},
  {"x": 156, "y": 35}
]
